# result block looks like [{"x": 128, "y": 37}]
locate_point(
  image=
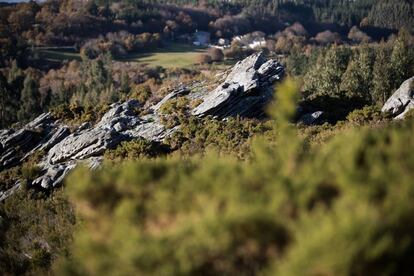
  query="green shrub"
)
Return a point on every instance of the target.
[
  {"x": 368, "y": 114},
  {"x": 74, "y": 114},
  {"x": 30, "y": 171},
  {"x": 228, "y": 137},
  {"x": 135, "y": 149},
  {"x": 175, "y": 106},
  {"x": 141, "y": 92},
  {"x": 26, "y": 172},
  {"x": 410, "y": 114},
  {"x": 8, "y": 178},
  {"x": 175, "y": 112}
]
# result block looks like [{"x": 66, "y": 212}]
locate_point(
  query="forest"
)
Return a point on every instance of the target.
[{"x": 281, "y": 146}]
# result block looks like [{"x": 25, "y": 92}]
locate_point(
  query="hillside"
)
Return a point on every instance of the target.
[{"x": 265, "y": 137}]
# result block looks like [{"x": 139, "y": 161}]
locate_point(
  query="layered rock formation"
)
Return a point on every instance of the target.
[
  {"x": 401, "y": 101},
  {"x": 245, "y": 92}
]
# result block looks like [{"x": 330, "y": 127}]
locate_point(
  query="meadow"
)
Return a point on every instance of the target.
[{"x": 172, "y": 55}]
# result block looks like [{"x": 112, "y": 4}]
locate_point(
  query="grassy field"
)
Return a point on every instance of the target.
[
  {"x": 57, "y": 55},
  {"x": 172, "y": 55}
]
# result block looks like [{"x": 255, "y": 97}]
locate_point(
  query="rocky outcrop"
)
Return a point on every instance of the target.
[
  {"x": 244, "y": 92},
  {"x": 78, "y": 146},
  {"x": 401, "y": 101},
  {"x": 40, "y": 134},
  {"x": 180, "y": 91},
  {"x": 313, "y": 118},
  {"x": 53, "y": 175}
]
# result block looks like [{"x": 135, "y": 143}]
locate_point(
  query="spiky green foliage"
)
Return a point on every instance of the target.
[
  {"x": 135, "y": 149},
  {"x": 342, "y": 208}
]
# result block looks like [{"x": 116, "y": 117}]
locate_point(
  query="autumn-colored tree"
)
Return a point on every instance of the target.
[
  {"x": 216, "y": 54},
  {"x": 203, "y": 58}
]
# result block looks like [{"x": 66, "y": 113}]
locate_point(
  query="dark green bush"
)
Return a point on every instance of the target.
[{"x": 366, "y": 115}]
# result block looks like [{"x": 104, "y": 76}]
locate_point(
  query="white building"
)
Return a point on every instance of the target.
[
  {"x": 258, "y": 43},
  {"x": 201, "y": 38}
]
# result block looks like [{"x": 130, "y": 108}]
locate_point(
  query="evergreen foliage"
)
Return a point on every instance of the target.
[
  {"x": 29, "y": 99},
  {"x": 402, "y": 59},
  {"x": 325, "y": 77},
  {"x": 382, "y": 84},
  {"x": 357, "y": 79}
]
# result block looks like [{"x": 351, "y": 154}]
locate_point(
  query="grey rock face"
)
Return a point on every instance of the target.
[
  {"x": 5, "y": 194},
  {"x": 88, "y": 143},
  {"x": 120, "y": 116},
  {"x": 16, "y": 145},
  {"x": 40, "y": 122},
  {"x": 151, "y": 129},
  {"x": 53, "y": 175},
  {"x": 244, "y": 92},
  {"x": 401, "y": 101},
  {"x": 311, "y": 118}
]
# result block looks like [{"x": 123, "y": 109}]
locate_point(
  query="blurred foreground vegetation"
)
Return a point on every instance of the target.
[{"x": 341, "y": 207}]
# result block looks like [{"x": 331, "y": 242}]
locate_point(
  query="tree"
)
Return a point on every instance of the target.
[
  {"x": 125, "y": 86},
  {"x": 96, "y": 85},
  {"x": 6, "y": 103},
  {"x": 297, "y": 62},
  {"x": 29, "y": 99},
  {"x": 24, "y": 17},
  {"x": 328, "y": 37},
  {"x": 15, "y": 72},
  {"x": 356, "y": 35},
  {"x": 216, "y": 54},
  {"x": 402, "y": 59},
  {"x": 91, "y": 8},
  {"x": 381, "y": 81},
  {"x": 203, "y": 58},
  {"x": 324, "y": 79},
  {"x": 357, "y": 80}
]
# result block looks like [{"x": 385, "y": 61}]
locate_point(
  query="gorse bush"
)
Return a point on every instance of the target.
[
  {"x": 342, "y": 208},
  {"x": 135, "y": 149},
  {"x": 75, "y": 114},
  {"x": 233, "y": 136},
  {"x": 366, "y": 114}
]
